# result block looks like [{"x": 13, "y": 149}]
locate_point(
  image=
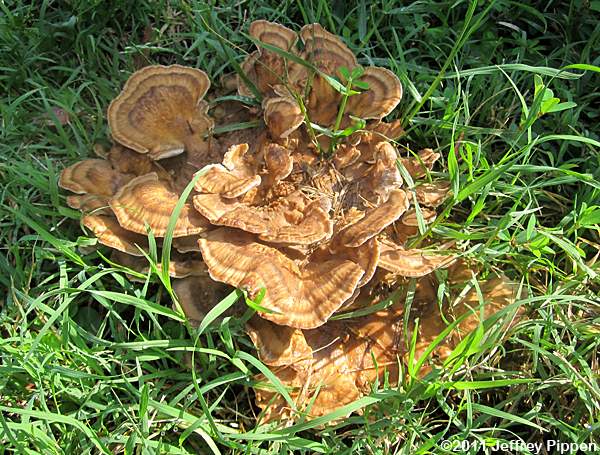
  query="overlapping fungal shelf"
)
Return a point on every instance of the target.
[{"x": 322, "y": 226}]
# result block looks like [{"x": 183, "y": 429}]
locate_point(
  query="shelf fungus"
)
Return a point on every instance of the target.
[
  {"x": 148, "y": 202},
  {"x": 349, "y": 355},
  {"x": 286, "y": 85},
  {"x": 161, "y": 111},
  {"x": 299, "y": 296},
  {"x": 323, "y": 222}
]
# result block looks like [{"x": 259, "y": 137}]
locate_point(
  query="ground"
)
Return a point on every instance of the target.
[{"x": 91, "y": 362}]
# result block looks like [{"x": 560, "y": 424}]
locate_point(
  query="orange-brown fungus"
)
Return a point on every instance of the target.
[
  {"x": 160, "y": 110},
  {"x": 297, "y": 296},
  {"x": 347, "y": 356},
  {"x": 110, "y": 233},
  {"x": 324, "y": 223},
  {"x": 281, "y": 81},
  {"x": 149, "y": 201}
]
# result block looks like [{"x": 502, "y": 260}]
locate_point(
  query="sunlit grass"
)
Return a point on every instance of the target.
[{"x": 91, "y": 362}]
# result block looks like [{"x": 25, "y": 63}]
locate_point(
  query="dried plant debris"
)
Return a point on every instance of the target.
[{"x": 307, "y": 204}]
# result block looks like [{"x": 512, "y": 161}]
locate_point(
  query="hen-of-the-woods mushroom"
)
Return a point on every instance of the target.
[
  {"x": 282, "y": 115},
  {"x": 265, "y": 68},
  {"x": 92, "y": 176},
  {"x": 180, "y": 265},
  {"x": 375, "y": 220},
  {"x": 319, "y": 222},
  {"x": 410, "y": 263},
  {"x": 134, "y": 183},
  {"x": 433, "y": 194},
  {"x": 197, "y": 295},
  {"x": 278, "y": 345}
]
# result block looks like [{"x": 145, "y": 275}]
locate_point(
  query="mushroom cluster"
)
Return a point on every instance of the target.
[{"x": 309, "y": 206}]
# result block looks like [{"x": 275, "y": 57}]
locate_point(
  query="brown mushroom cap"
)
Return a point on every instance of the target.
[
  {"x": 129, "y": 161},
  {"x": 148, "y": 200},
  {"x": 243, "y": 160},
  {"x": 409, "y": 218},
  {"x": 187, "y": 244},
  {"x": 345, "y": 156},
  {"x": 197, "y": 295},
  {"x": 236, "y": 176},
  {"x": 160, "y": 110},
  {"x": 278, "y": 163},
  {"x": 498, "y": 292},
  {"x": 420, "y": 165},
  {"x": 325, "y": 50},
  {"x": 93, "y": 176},
  {"x": 382, "y": 177},
  {"x": 386, "y": 131},
  {"x": 366, "y": 256},
  {"x": 382, "y": 96},
  {"x": 299, "y": 297},
  {"x": 410, "y": 263},
  {"x": 274, "y": 406},
  {"x": 321, "y": 398},
  {"x": 311, "y": 225},
  {"x": 375, "y": 220},
  {"x": 408, "y": 225},
  {"x": 344, "y": 363},
  {"x": 282, "y": 116},
  {"x": 265, "y": 68},
  {"x": 293, "y": 220},
  {"x": 433, "y": 194},
  {"x": 349, "y": 355},
  {"x": 276, "y": 344},
  {"x": 108, "y": 232},
  {"x": 218, "y": 180},
  {"x": 273, "y": 34},
  {"x": 89, "y": 203}
]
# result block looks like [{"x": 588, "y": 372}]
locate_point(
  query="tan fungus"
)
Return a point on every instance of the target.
[
  {"x": 272, "y": 210},
  {"x": 298, "y": 296},
  {"x": 110, "y": 233},
  {"x": 146, "y": 200},
  {"x": 94, "y": 176},
  {"x": 160, "y": 110}
]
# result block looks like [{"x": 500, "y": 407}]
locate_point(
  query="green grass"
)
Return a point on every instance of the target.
[{"x": 93, "y": 363}]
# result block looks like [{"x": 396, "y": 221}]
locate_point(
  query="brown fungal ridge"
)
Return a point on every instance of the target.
[
  {"x": 89, "y": 203},
  {"x": 277, "y": 345},
  {"x": 376, "y": 220},
  {"x": 218, "y": 180},
  {"x": 108, "y": 232},
  {"x": 347, "y": 356},
  {"x": 180, "y": 265},
  {"x": 410, "y": 263},
  {"x": 300, "y": 223}
]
